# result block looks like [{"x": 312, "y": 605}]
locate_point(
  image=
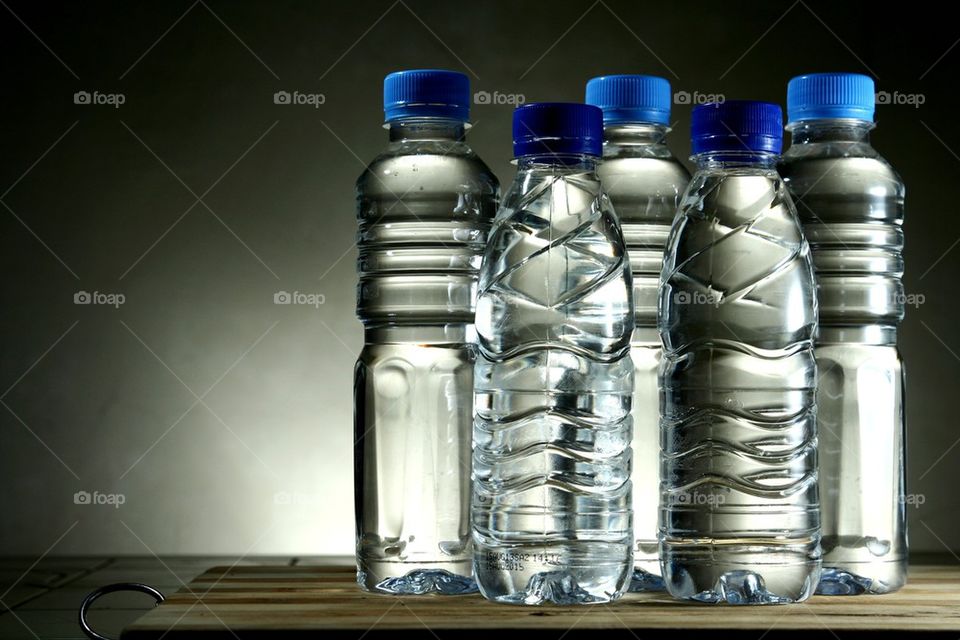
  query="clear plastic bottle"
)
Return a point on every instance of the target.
[
  {"x": 554, "y": 379},
  {"x": 737, "y": 317},
  {"x": 644, "y": 182},
  {"x": 424, "y": 206},
  {"x": 850, "y": 203}
]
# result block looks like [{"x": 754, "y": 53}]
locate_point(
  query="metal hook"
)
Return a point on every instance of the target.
[{"x": 111, "y": 588}]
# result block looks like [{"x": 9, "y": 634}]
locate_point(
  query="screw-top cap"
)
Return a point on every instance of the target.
[
  {"x": 631, "y": 98},
  {"x": 816, "y": 96},
  {"x": 737, "y": 125},
  {"x": 550, "y": 128},
  {"x": 426, "y": 93}
]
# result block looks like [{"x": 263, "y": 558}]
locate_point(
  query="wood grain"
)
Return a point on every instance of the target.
[{"x": 282, "y": 601}]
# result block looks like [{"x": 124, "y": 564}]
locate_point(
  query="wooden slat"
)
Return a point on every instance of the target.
[{"x": 271, "y": 601}]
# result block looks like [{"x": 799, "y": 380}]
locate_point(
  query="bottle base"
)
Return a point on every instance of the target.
[
  {"x": 854, "y": 579},
  {"x": 644, "y": 581},
  {"x": 554, "y": 587},
  {"x": 416, "y": 580},
  {"x": 748, "y": 575},
  {"x": 562, "y": 574}
]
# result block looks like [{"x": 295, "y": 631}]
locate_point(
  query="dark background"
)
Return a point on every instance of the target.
[{"x": 224, "y": 420}]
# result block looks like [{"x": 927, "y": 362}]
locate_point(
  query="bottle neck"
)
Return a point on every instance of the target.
[
  {"x": 744, "y": 160},
  {"x": 557, "y": 164},
  {"x": 421, "y": 128},
  {"x": 635, "y": 134},
  {"x": 830, "y": 130}
]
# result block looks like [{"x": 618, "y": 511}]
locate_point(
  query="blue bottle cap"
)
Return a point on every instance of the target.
[
  {"x": 737, "y": 125},
  {"x": 551, "y": 128},
  {"x": 426, "y": 93},
  {"x": 631, "y": 98},
  {"x": 816, "y": 96}
]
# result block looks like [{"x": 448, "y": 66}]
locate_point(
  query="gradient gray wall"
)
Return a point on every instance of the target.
[{"x": 223, "y": 419}]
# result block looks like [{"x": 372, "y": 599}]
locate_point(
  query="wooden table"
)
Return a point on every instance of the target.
[{"x": 325, "y": 602}]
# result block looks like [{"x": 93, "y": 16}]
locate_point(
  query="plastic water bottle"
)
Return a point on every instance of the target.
[
  {"x": 850, "y": 203},
  {"x": 737, "y": 317},
  {"x": 551, "y": 458},
  {"x": 644, "y": 181},
  {"x": 424, "y": 206}
]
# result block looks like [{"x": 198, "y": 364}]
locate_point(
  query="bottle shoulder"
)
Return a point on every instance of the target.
[
  {"x": 803, "y": 160},
  {"x": 539, "y": 189},
  {"x": 546, "y": 206},
  {"x": 644, "y": 189},
  {"x": 735, "y": 198},
  {"x": 665, "y": 169},
  {"x": 556, "y": 260},
  {"x": 843, "y": 183},
  {"x": 423, "y": 164},
  {"x": 737, "y": 267}
]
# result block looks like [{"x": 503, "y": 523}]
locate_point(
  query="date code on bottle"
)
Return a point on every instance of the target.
[{"x": 515, "y": 561}]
